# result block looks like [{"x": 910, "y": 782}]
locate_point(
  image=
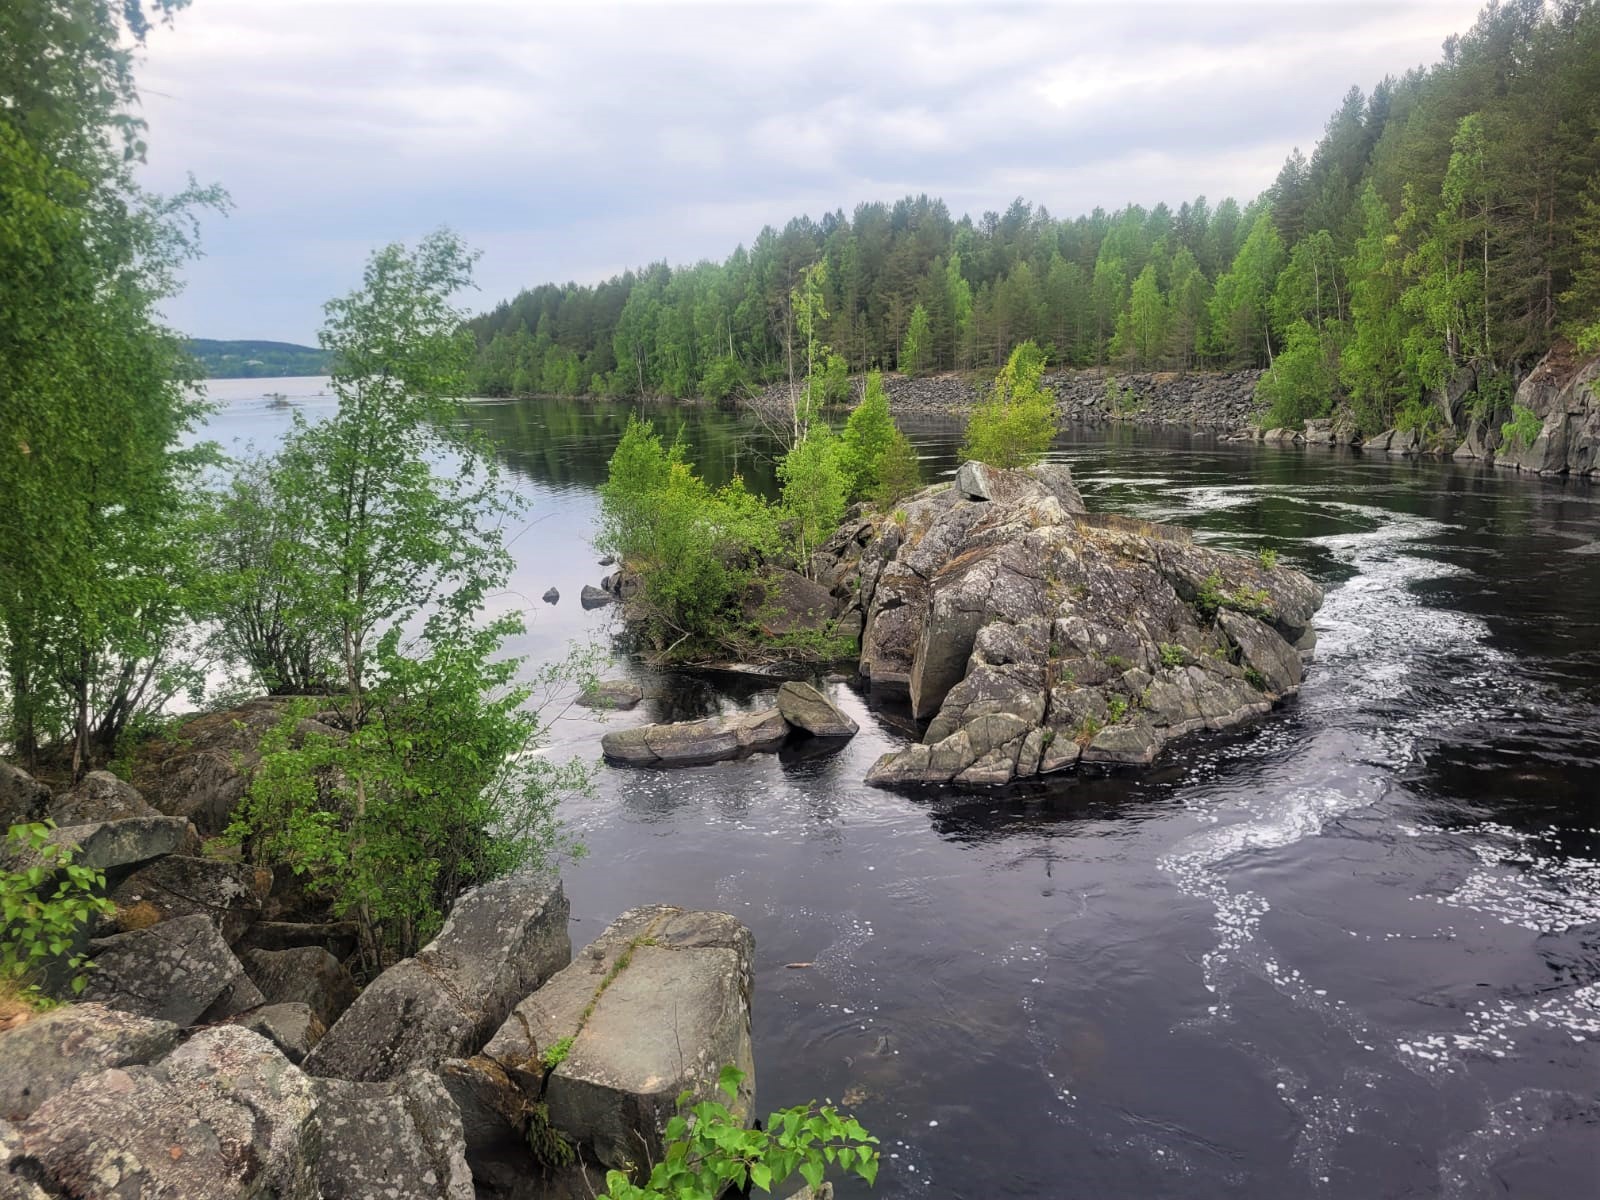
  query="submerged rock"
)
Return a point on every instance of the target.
[
  {"x": 690, "y": 743},
  {"x": 1031, "y": 635},
  {"x": 620, "y": 694},
  {"x": 552, "y": 596}
]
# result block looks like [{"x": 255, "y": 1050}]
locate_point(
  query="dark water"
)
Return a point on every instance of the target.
[{"x": 1352, "y": 951}]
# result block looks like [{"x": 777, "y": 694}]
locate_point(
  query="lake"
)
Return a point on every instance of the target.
[{"x": 1350, "y": 951}]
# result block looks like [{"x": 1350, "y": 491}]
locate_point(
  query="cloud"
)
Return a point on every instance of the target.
[{"x": 570, "y": 141}]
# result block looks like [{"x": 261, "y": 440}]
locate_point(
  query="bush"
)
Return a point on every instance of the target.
[
  {"x": 40, "y": 923},
  {"x": 816, "y": 490},
  {"x": 708, "y": 1152},
  {"x": 880, "y": 460},
  {"x": 1303, "y": 380},
  {"x": 1014, "y": 425},
  {"x": 1524, "y": 427}
]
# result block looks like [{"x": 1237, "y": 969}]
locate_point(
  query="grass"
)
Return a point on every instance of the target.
[
  {"x": 556, "y": 1053},
  {"x": 1268, "y": 558},
  {"x": 1173, "y": 655}
]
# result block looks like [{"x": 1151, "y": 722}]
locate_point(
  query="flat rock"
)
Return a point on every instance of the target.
[
  {"x": 500, "y": 942},
  {"x": 306, "y": 975},
  {"x": 99, "y": 796},
  {"x": 293, "y": 1028},
  {"x": 173, "y": 971},
  {"x": 690, "y": 743},
  {"x": 56, "y": 1048},
  {"x": 229, "y": 894},
  {"x": 804, "y": 707},
  {"x": 109, "y": 845},
  {"x": 618, "y": 694}
]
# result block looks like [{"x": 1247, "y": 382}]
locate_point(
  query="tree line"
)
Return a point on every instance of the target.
[{"x": 1446, "y": 227}]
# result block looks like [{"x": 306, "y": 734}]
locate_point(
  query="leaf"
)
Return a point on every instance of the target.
[
  {"x": 761, "y": 1176},
  {"x": 812, "y": 1171}
]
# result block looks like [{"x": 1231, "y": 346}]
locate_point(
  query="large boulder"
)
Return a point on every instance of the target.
[
  {"x": 50, "y": 1053},
  {"x": 173, "y": 971},
  {"x": 1032, "y": 636},
  {"x": 593, "y": 597},
  {"x": 782, "y": 603},
  {"x": 200, "y": 769},
  {"x": 224, "y": 1117},
  {"x": 229, "y": 894},
  {"x": 804, "y": 707},
  {"x": 112, "y": 845},
  {"x": 656, "y": 1006},
  {"x": 99, "y": 796},
  {"x": 500, "y": 942},
  {"x": 399, "y": 1140},
  {"x": 306, "y": 975},
  {"x": 690, "y": 743},
  {"x": 293, "y": 1028},
  {"x": 22, "y": 798}
]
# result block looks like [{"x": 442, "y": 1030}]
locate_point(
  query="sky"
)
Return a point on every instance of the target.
[{"x": 571, "y": 141}]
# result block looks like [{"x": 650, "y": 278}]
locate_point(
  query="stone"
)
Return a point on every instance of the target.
[
  {"x": 619, "y": 694},
  {"x": 692, "y": 743},
  {"x": 306, "y": 975},
  {"x": 804, "y": 707},
  {"x": 500, "y": 942},
  {"x": 781, "y": 603},
  {"x": 400, "y": 1140},
  {"x": 50, "y": 1053},
  {"x": 338, "y": 938},
  {"x": 293, "y": 1028},
  {"x": 223, "y": 1117},
  {"x": 229, "y": 894},
  {"x": 1276, "y": 661},
  {"x": 201, "y": 769},
  {"x": 173, "y": 971},
  {"x": 240, "y": 996},
  {"x": 110, "y": 845},
  {"x": 22, "y": 798},
  {"x": 656, "y": 1006},
  {"x": 99, "y": 796},
  {"x": 593, "y": 597},
  {"x": 551, "y": 596}
]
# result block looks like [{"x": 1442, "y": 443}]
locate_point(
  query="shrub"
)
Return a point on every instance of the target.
[
  {"x": 44, "y": 907},
  {"x": 816, "y": 490},
  {"x": 709, "y": 1152},
  {"x": 1268, "y": 558},
  {"x": 1014, "y": 425},
  {"x": 1524, "y": 427},
  {"x": 1173, "y": 656},
  {"x": 880, "y": 460}
]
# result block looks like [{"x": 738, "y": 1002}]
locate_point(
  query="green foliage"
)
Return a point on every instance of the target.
[
  {"x": 917, "y": 349},
  {"x": 880, "y": 460},
  {"x": 556, "y": 1053},
  {"x": 708, "y": 1151},
  {"x": 44, "y": 907},
  {"x": 1014, "y": 425},
  {"x": 1524, "y": 427},
  {"x": 832, "y": 383},
  {"x": 1117, "y": 708},
  {"x": 1267, "y": 557},
  {"x": 816, "y": 490},
  {"x": 1172, "y": 655},
  {"x": 257, "y": 360},
  {"x": 1303, "y": 379}
]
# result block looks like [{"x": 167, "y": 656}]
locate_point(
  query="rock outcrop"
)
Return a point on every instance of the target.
[
  {"x": 1031, "y": 635},
  {"x": 229, "y": 894},
  {"x": 1563, "y": 392},
  {"x": 173, "y": 971}
]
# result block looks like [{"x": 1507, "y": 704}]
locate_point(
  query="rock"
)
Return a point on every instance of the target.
[
  {"x": 1561, "y": 392},
  {"x": 293, "y": 1028},
  {"x": 306, "y": 975},
  {"x": 338, "y": 938},
  {"x": 607, "y": 561},
  {"x": 201, "y": 769},
  {"x": 501, "y": 941},
  {"x": 781, "y": 603},
  {"x": 552, "y": 596},
  {"x": 224, "y": 1117},
  {"x": 1032, "y": 636},
  {"x": 656, "y": 1006},
  {"x": 618, "y": 694},
  {"x": 22, "y": 798},
  {"x": 171, "y": 972},
  {"x": 109, "y": 845},
  {"x": 54, "y": 1050},
  {"x": 593, "y": 597},
  {"x": 691, "y": 743},
  {"x": 240, "y": 996},
  {"x": 399, "y": 1141},
  {"x": 99, "y": 796},
  {"x": 229, "y": 894},
  {"x": 804, "y": 707}
]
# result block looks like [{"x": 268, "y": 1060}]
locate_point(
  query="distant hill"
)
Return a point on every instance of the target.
[{"x": 258, "y": 360}]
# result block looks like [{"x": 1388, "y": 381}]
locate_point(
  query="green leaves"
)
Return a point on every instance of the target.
[
  {"x": 1014, "y": 425},
  {"x": 39, "y": 923}
]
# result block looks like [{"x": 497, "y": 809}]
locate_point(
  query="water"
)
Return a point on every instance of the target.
[{"x": 1352, "y": 951}]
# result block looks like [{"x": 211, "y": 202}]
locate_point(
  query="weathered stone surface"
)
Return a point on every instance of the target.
[
  {"x": 108, "y": 845},
  {"x": 224, "y": 1117},
  {"x": 240, "y": 996},
  {"x": 658, "y": 1004},
  {"x": 173, "y": 971},
  {"x": 1033, "y": 636},
  {"x": 804, "y": 707},
  {"x": 201, "y": 769},
  {"x": 785, "y": 602},
  {"x": 395, "y": 1141},
  {"x": 620, "y": 694},
  {"x": 99, "y": 796},
  {"x": 1561, "y": 391},
  {"x": 338, "y": 938},
  {"x": 593, "y": 597},
  {"x": 293, "y": 1028},
  {"x": 51, "y": 1052},
  {"x": 229, "y": 894},
  {"x": 500, "y": 942},
  {"x": 690, "y": 743},
  {"x": 22, "y": 798},
  {"x": 303, "y": 975}
]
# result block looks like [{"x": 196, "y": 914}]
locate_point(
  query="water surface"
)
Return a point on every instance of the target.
[{"x": 1351, "y": 951}]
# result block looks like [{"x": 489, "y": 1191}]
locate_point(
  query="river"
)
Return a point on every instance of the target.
[{"x": 1352, "y": 951}]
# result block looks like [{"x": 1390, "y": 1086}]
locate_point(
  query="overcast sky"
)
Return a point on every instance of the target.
[{"x": 572, "y": 141}]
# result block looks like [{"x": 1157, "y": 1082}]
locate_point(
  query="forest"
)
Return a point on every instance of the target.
[
  {"x": 257, "y": 360},
  {"x": 1443, "y": 233}
]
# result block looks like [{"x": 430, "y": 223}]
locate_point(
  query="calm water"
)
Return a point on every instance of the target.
[{"x": 1352, "y": 951}]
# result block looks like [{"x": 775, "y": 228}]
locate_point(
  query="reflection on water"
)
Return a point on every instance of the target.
[{"x": 1353, "y": 951}]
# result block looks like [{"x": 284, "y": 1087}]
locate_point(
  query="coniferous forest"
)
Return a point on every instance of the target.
[{"x": 1443, "y": 233}]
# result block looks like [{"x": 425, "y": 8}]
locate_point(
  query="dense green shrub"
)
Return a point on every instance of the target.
[
  {"x": 880, "y": 460},
  {"x": 1014, "y": 425},
  {"x": 1524, "y": 427},
  {"x": 43, "y": 909}
]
